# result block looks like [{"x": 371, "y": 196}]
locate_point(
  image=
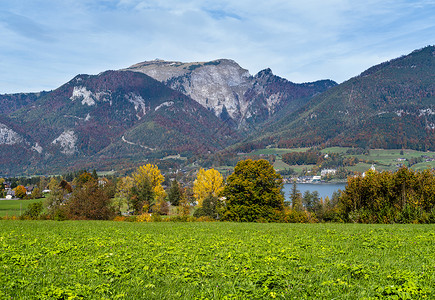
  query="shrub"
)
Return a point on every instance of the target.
[{"x": 33, "y": 210}]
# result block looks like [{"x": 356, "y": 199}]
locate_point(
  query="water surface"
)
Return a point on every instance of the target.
[{"x": 324, "y": 189}]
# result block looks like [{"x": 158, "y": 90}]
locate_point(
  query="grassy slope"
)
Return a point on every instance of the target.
[
  {"x": 44, "y": 259},
  {"x": 384, "y": 159}
]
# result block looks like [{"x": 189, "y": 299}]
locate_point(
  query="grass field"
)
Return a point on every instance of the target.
[
  {"x": 277, "y": 151},
  {"x": 121, "y": 260},
  {"x": 15, "y": 207}
]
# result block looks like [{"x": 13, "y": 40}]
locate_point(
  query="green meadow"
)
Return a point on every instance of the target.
[
  {"x": 383, "y": 159},
  {"x": 122, "y": 260},
  {"x": 15, "y": 207}
]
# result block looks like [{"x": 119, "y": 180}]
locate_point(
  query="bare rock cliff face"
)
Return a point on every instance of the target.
[
  {"x": 218, "y": 85},
  {"x": 227, "y": 89}
]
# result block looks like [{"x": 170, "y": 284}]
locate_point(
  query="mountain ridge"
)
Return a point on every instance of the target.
[
  {"x": 229, "y": 90},
  {"x": 368, "y": 110},
  {"x": 120, "y": 118}
]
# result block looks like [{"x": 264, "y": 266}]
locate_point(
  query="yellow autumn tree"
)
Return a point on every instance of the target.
[
  {"x": 150, "y": 174},
  {"x": 20, "y": 191},
  {"x": 207, "y": 183}
]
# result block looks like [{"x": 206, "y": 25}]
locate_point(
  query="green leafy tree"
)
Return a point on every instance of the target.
[
  {"x": 253, "y": 193},
  {"x": 141, "y": 196},
  {"x": 122, "y": 193},
  {"x": 384, "y": 197},
  {"x": 175, "y": 193},
  {"x": 311, "y": 201},
  {"x": 33, "y": 210},
  {"x": 94, "y": 174},
  {"x": 296, "y": 198},
  {"x": 210, "y": 208},
  {"x": 36, "y": 193},
  {"x": 184, "y": 206},
  {"x": 2, "y": 189},
  {"x": 55, "y": 199}
]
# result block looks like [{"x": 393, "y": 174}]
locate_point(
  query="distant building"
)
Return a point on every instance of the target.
[
  {"x": 372, "y": 168},
  {"x": 316, "y": 178},
  {"x": 325, "y": 172}
]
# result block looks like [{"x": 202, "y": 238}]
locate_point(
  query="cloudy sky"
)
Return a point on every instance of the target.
[{"x": 44, "y": 44}]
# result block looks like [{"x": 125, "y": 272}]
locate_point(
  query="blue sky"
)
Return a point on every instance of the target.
[{"x": 44, "y": 44}]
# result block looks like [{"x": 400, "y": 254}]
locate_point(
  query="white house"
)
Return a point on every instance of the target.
[
  {"x": 316, "y": 178},
  {"x": 325, "y": 172}
]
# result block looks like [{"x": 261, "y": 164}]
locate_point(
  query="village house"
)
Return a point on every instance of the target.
[{"x": 325, "y": 172}]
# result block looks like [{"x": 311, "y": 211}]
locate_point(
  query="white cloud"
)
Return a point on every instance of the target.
[{"x": 300, "y": 40}]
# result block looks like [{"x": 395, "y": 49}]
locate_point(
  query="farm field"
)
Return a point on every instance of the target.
[
  {"x": 15, "y": 207},
  {"x": 121, "y": 260}
]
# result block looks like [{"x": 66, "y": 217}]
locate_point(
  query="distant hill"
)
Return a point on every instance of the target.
[
  {"x": 391, "y": 105},
  {"x": 116, "y": 114}
]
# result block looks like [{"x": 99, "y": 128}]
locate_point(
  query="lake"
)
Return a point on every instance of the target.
[{"x": 324, "y": 189}]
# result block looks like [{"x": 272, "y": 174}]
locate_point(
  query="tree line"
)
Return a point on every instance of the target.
[{"x": 252, "y": 193}]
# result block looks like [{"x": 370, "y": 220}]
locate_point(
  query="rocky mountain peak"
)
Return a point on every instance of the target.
[
  {"x": 221, "y": 86},
  {"x": 264, "y": 73}
]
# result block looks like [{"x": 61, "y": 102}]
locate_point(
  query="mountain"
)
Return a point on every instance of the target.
[
  {"x": 391, "y": 105},
  {"x": 12, "y": 102},
  {"x": 113, "y": 116},
  {"x": 228, "y": 90}
]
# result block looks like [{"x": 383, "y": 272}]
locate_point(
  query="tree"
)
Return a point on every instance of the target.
[
  {"x": 94, "y": 174},
  {"x": 385, "y": 197},
  {"x": 210, "y": 207},
  {"x": 122, "y": 193},
  {"x": 55, "y": 199},
  {"x": 311, "y": 201},
  {"x": 207, "y": 183},
  {"x": 184, "y": 207},
  {"x": 36, "y": 194},
  {"x": 33, "y": 210},
  {"x": 253, "y": 193},
  {"x": 2, "y": 189},
  {"x": 90, "y": 202},
  {"x": 175, "y": 193},
  {"x": 20, "y": 191},
  {"x": 141, "y": 196},
  {"x": 43, "y": 183},
  {"x": 296, "y": 198},
  {"x": 83, "y": 178},
  {"x": 66, "y": 186},
  {"x": 150, "y": 173}
]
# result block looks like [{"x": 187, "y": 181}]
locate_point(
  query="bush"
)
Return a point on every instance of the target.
[
  {"x": 33, "y": 210},
  {"x": 295, "y": 216}
]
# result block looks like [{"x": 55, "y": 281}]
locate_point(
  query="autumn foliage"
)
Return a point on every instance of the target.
[
  {"x": 385, "y": 197},
  {"x": 20, "y": 191},
  {"x": 208, "y": 183}
]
